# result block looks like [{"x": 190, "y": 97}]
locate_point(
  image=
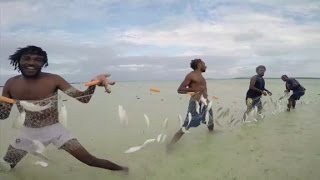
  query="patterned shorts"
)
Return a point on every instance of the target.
[{"x": 198, "y": 113}]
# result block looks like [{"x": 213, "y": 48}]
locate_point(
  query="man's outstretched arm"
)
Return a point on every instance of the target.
[
  {"x": 82, "y": 96},
  {"x": 79, "y": 152}
]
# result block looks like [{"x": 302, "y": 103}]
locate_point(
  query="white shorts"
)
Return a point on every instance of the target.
[{"x": 55, "y": 134}]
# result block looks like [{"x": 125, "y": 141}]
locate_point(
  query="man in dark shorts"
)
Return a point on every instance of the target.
[
  {"x": 199, "y": 105},
  {"x": 40, "y": 89},
  {"x": 256, "y": 90},
  {"x": 298, "y": 90}
]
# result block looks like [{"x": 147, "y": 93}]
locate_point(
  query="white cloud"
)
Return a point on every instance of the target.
[
  {"x": 246, "y": 33},
  {"x": 86, "y": 38}
]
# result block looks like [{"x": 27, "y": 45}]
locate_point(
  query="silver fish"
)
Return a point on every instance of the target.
[
  {"x": 209, "y": 106},
  {"x": 159, "y": 137},
  {"x": 32, "y": 107},
  {"x": 163, "y": 138},
  {"x": 236, "y": 122},
  {"x": 180, "y": 120},
  {"x": 137, "y": 148},
  {"x": 220, "y": 115},
  {"x": 203, "y": 100},
  {"x": 123, "y": 116},
  {"x": 197, "y": 107},
  {"x": 63, "y": 114},
  {"x": 147, "y": 120},
  {"x": 189, "y": 118},
  {"x": 165, "y": 123},
  {"x": 41, "y": 163},
  {"x": 19, "y": 122}
]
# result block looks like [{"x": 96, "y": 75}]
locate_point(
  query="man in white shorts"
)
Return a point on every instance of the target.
[
  {"x": 55, "y": 134},
  {"x": 41, "y": 89}
]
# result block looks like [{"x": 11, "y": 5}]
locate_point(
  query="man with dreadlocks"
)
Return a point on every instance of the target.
[
  {"x": 255, "y": 91},
  {"x": 41, "y": 88},
  {"x": 195, "y": 84}
]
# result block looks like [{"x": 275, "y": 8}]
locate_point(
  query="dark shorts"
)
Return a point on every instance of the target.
[
  {"x": 296, "y": 95},
  {"x": 198, "y": 118}
]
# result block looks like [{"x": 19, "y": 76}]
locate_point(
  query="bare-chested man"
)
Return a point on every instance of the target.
[
  {"x": 195, "y": 84},
  {"x": 41, "y": 89}
]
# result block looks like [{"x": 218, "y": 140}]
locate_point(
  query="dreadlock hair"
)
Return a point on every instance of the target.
[
  {"x": 15, "y": 58},
  {"x": 194, "y": 63}
]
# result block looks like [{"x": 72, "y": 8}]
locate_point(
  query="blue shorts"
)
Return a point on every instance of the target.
[
  {"x": 197, "y": 118},
  {"x": 296, "y": 95}
]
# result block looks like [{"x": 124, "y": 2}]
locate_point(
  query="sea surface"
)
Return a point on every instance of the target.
[{"x": 282, "y": 146}]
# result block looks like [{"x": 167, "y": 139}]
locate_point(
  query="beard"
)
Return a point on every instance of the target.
[{"x": 27, "y": 75}]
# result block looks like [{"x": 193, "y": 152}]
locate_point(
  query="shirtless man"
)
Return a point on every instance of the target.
[
  {"x": 297, "y": 91},
  {"x": 195, "y": 84},
  {"x": 255, "y": 91},
  {"x": 41, "y": 89}
]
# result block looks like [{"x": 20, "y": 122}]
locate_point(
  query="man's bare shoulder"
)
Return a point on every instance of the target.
[
  {"x": 189, "y": 76},
  {"x": 10, "y": 83},
  {"x": 192, "y": 74},
  {"x": 12, "y": 80},
  {"x": 55, "y": 79},
  {"x": 51, "y": 76},
  {"x": 253, "y": 77}
]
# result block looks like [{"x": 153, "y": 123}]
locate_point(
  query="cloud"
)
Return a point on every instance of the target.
[{"x": 159, "y": 38}]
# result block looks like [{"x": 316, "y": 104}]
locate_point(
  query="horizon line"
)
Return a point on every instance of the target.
[{"x": 205, "y": 78}]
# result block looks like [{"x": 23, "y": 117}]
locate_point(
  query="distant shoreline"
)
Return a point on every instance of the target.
[
  {"x": 279, "y": 78},
  {"x": 206, "y": 79}
]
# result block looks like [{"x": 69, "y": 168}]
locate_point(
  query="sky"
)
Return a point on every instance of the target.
[{"x": 156, "y": 40}]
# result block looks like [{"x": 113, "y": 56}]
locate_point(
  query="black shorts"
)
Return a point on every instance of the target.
[{"x": 296, "y": 95}]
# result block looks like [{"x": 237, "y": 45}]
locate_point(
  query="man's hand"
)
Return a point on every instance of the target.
[
  {"x": 104, "y": 81},
  {"x": 200, "y": 91},
  {"x": 270, "y": 93},
  {"x": 286, "y": 91},
  {"x": 264, "y": 93}
]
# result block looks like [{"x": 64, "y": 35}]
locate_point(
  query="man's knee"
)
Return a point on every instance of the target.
[{"x": 71, "y": 145}]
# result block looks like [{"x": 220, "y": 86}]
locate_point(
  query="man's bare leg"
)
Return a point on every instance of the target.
[
  {"x": 246, "y": 114},
  {"x": 260, "y": 107},
  {"x": 211, "y": 123},
  {"x": 290, "y": 102},
  {"x": 293, "y": 104},
  {"x": 210, "y": 128},
  {"x": 14, "y": 156},
  {"x": 175, "y": 139},
  {"x": 79, "y": 152}
]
